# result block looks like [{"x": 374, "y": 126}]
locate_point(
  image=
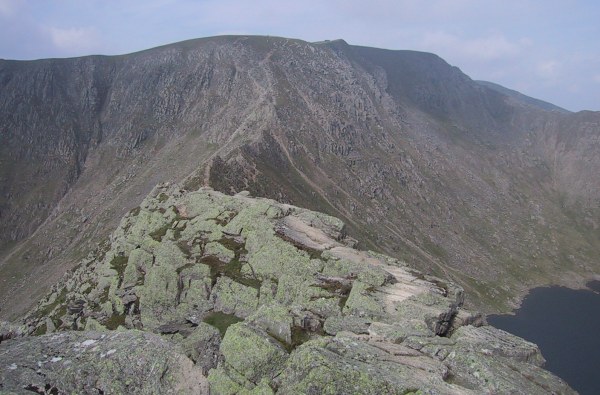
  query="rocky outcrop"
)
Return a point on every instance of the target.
[
  {"x": 264, "y": 298},
  {"x": 125, "y": 362},
  {"x": 10, "y": 331}
]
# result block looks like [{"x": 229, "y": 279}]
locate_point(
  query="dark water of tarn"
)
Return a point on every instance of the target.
[{"x": 565, "y": 324}]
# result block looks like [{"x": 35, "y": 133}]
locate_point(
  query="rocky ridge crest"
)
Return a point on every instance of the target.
[{"x": 247, "y": 295}]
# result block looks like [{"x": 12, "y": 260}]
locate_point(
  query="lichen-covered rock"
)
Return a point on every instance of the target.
[
  {"x": 295, "y": 290},
  {"x": 202, "y": 346},
  {"x": 234, "y": 298},
  {"x": 345, "y": 365},
  {"x": 276, "y": 320},
  {"x": 219, "y": 251},
  {"x": 252, "y": 352},
  {"x": 373, "y": 276},
  {"x": 398, "y": 332},
  {"x": 137, "y": 265},
  {"x": 222, "y": 383},
  {"x": 158, "y": 296},
  {"x": 347, "y": 323},
  {"x": 129, "y": 362},
  {"x": 298, "y": 311},
  {"x": 170, "y": 255},
  {"x": 493, "y": 341},
  {"x": 270, "y": 257},
  {"x": 363, "y": 302},
  {"x": 489, "y": 358},
  {"x": 333, "y": 227},
  {"x": 194, "y": 287}
]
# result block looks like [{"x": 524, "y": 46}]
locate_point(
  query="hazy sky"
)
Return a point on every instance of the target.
[{"x": 547, "y": 49}]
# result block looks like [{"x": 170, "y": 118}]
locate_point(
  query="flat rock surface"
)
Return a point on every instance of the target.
[{"x": 129, "y": 362}]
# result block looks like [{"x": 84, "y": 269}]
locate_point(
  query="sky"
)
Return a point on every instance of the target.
[{"x": 548, "y": 49}]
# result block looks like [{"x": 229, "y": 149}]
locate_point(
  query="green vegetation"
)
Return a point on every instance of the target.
[
  {"x": 221, "y": 321},
  {"x": 119, "y": 263},
  {"x": 163, "y": 197},
  {"x": 114, "y": 321},
  {"x": 159, "y": 233}
]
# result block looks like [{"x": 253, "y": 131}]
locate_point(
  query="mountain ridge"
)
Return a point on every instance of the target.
[
  {"x": 235, "y": 294},
  {"x": 527, "y": 100},
  {"x": 455, "y": 178}
]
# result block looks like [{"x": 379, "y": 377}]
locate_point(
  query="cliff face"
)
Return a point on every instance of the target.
[
  {"x": 421, "y": 162},
  {"x": 200, "y": 291},
  {"x": 83, "y": 140}
]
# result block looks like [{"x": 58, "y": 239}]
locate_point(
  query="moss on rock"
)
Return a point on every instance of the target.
[
  {"x": 234, "y": 298},
  {"x": 138, "y": 263},
  {"x": 275, "y": 319},
  {"x": 252, "y": 352},
  {"x": 158, "y": 295},
  {"x": 363, "y": 302},
  {"x": 202, "y": 346},
  {"x": 219, "y": 251}
]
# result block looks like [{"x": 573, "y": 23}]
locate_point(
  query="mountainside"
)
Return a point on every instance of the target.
[
  {"x": 519, "y": 97},
  {"x": 421, "y": 162},
  {"x": 200, "y": 292}
]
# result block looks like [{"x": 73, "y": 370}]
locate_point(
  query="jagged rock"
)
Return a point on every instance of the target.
[
  {"x": 158, "y": 295},
  {"x": 128, "y": 299},
  {"x": 487, "y": 357},
  {"x": 300, "y": 231},
  {"x": 130, "y": 362},
  {"x": 50, "y": 327},
  {"x": 202, "y": 347},
  {"x": 348, "y": 363},
  {"x": 496, "y": 342},
  {"x": 92, "y": 325},
  {"x": 333, "y": 227},
  {"x": 341, "y": 284},
  {"x": 364, "y": 302},
  {"x": 10, "y": 331},
  {"x": 297, "y": 311},
  {"x": 224, "y": 381},
  {"x": 183, "y": 328},
  {"x": 76, "y": 306}
]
